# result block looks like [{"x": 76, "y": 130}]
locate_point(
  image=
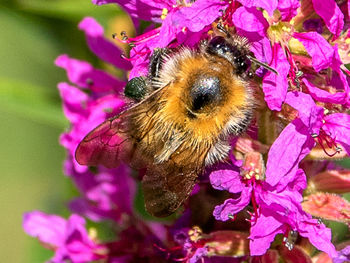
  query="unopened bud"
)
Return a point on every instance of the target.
[
  {"x": 333, "y": 181},
  {"x": 328, "y": 206}
]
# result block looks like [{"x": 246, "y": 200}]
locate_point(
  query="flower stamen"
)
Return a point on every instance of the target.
[
  {"x": 228, "y": 13},
  {"x": 289, "y": 239},
  {"x": 325, "y": 140}
]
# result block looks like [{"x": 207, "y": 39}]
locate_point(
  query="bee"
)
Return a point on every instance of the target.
[{"x": 185, "y": 112}]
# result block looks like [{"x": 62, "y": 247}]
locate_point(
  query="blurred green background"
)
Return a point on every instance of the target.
[{"x": 32, "y": 34}]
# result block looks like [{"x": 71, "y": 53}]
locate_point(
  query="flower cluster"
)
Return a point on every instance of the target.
[{"x": 258, "y": 206}]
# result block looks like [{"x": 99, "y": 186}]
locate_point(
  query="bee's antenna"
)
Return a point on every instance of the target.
[
  {"x": 264, "y": 65},
  {"x": 222, "y": 28}
]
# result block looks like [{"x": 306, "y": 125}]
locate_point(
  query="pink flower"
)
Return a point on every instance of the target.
[
  {"x": 277, "y": 209},
  {"x": 295, "y": 141},
  {"x": 298, "y": 138},
  {"x": 68, "y": 238},
  {"x": 107, "y": 194}
]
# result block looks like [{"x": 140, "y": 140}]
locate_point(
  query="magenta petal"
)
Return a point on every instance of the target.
[
  {"x": 141, "y": 53},
  {"x": 198, "y": 255},
  {"x": 324, "y": 96},
  {"x": 309, "y": 113},
  {"x": 84, "y": 75},
  {"x": 291, "y": 146},
  {"x": 47, "y": 228},
  {"x": 338, "y": 126},
  {"x": 104, "y": 49},
  {"x": 268, "y": 5},
  {"x": 141, "y": 9},
  {"x": 139, "y": 69},
  {"x": 85, "y": 208},
  {"x": 73, "y": 99},
  {"x": 331, "y": 15},
  {"x": 262, "y": 50},
  {"x": 167, "y": 32},
  {"x": 262, "y": 233},
  {"x": 232, "y": 206},
  {"x": 288, "y": 8},
  {"x": 318, "y": 234},
  {"x": 200, "y": 14},
  {"x": 344, "y": 254},
  {"x": 227, "y": 179},
  {"x": 78, "y": 247},
  {"x": 344, "y": 81},
  {"x": 275, "y": 86},
  {"x": 299, "y": 183},
  {"x": 191, "y": 39},
  {"x": 250, "y": 20},
  {"x": 319, "y": 49}
]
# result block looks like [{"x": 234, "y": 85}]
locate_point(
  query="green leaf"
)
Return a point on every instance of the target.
[{"x": 32, "y": 102}]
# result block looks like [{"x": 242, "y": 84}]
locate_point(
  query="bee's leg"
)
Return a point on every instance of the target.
[{"x": 156, "y": 61}]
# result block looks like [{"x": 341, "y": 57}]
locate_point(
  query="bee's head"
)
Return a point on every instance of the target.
[{"x": 234, "y": 53}]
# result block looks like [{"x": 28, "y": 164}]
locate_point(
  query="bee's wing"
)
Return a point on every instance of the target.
[
  {"x": 113, "y": 140},
  {"x": 166, "y": 187},
  {"x": 108, "y": 144}
]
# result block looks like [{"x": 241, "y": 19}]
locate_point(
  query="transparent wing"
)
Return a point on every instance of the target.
[
  {"x": 115, "y": 140},
  {"x": 108, "y": 144},
  {"x": 166, "y": 187}
]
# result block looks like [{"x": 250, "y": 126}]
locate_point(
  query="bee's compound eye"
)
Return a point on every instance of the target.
[
  {"x": 218, "y": 45},
  {"x": 136, "y": 88},
  {"x": 205, "y": 91}
]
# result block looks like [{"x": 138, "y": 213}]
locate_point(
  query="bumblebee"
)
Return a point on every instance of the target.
[{"x": 185, "y": 112}]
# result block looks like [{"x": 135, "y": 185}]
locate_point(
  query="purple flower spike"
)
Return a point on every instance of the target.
[
  {"x": 84, "y": 114},
  {"x": 84, "y": 75},
  {"x": 106, "y": 195},
  {"x": 68, "y": 238}
]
